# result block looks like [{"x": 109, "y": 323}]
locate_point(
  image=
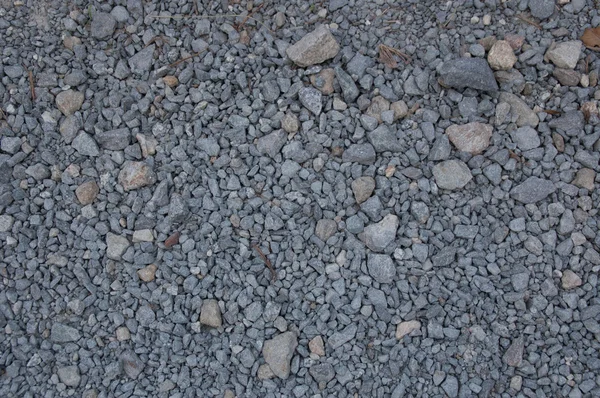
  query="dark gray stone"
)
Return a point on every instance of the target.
[
  {"x": 532, "y": 190},
  {"x": 468, "y": 72}
]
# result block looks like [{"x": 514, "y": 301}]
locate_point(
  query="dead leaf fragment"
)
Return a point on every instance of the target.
[
  {"x": 172, "y": 240},
  {"x": 591, "y": 38}
]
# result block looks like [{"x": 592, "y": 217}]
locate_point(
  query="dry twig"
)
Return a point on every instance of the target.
[
  {"x": 184, "y": 59},
  {"x": 266, "y": 261},
  {"x": 529, "y": 21},
  {"x": 386, "y": 56},
  {"x": 31, "y": 83}
]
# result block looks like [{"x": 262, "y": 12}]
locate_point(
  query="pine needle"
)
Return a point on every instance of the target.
[{"x": 387, "y": 53}]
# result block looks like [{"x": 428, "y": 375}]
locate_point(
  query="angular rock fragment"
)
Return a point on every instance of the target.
[
  {"x": 471, "y": 137},
  {"x": 532, "y": 190},
  {"x": 452, "y": 174},
  {"x": 314, "y": 48},
  {"x": 136, "y": 175},
  {"x": 278, "y": 353},
  {"x": 468, "y": 72}
]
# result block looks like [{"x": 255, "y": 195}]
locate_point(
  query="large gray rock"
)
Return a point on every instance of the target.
[
  {"x": 69, "y": 375},
  {"x": 381, "y": 268},
  {"x": 278, "y": 353},
  {"x": 69, "y": 101},
  {"x": 272, "y": 143},
  {"x": 452, "y": 174},
  {"x": 314, "y": 48},
  {"x": 526, "y": 138},
  {"x": 338, "y": 339},
  {"x": 542, "y": 9},
  {"x": 114, "y": 140},
  {"x": 378, "y": 236},
  {"x": 565, "y": 54},
  {"x": 116, "y": 246},
  {"x": 360, "y": 153},
  {"x": 132, "y": 364},
  {"x": 468, "y": 72},
  {"x": 471, "y": 137},
  {"x": 526, "y": 116},
  {"x": 85, "y": 145},
  {"x": 311, "y": 99},
  {"x": 103, "y": 25},
  {"x": 142, "y": 61},
  {"x": 514, "y": 354},
  {"x": 383, "y": 139},
  {"x": 349, "y": 89},
  {"x": 61, "y": 333},
  {"x": 362, "y": 188},
  {"x": 210, "y": 313},
  {"x": 532, "y": 190}
]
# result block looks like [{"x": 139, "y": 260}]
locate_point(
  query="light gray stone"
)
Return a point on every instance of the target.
[
  {"x": 380, "y": 235},
  {"x": 314, "y": 48},
  {"x": 381, "y": 268},
  {"x": 452, "y": 174},
  {"x": 278, "y": 353}
]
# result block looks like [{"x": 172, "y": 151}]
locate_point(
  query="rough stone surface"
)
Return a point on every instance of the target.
[
  {"x": 526, "y": 138},
  {"x": 360, "y": 153},
  {"x": 565, "y": 54},
  {"x": 532, "y": 190},
  {"x": 452, "y": 174},
  {"x": 570, "y": 280},
  {"x": 69, "y": 376},
  {"x": 136, "y": 175},
  {"x": 406, "y": 328},
  {"x": 468, "y": 72},
  {"x": 87, "y": 192},
  {"x": 69, "y": 101},
  {"x": 526, "y": 116},
  {"x": 381, "y": 268},
  {"x": 210, "y": 314},
  {"x": 514, "y": 354},
  {"x": 278, "y": 353},
  {"x": 471, "y": 137},
  {"x": 316, "y": 47},
  {"x": 501, "y": 56},
  {"x": 363, "y": 188},
  {"x": 378, "y": 236}
]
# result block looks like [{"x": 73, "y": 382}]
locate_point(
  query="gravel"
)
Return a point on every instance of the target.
[{"x": 254, "y": 199}]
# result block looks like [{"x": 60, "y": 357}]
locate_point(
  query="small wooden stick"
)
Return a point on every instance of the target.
[
  {"x": 184, "y": 59},
  {"x": 266, "y": 261},
  {"x": 31, "y": 85}
]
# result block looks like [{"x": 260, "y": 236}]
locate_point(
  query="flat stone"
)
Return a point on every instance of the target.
[
  {"x": 526, "y": 138},
  {"x": 384, "y": 139},
  {"x": 363, "y": 188},
  {"x": 542, "y": 9},
  {"x": 61, "y": 333},
  {"x": 272, "y": 143},
  {"x": 6, "y": 222},
  {"x": 468, "y": 72},
  {"x": 310, "y": 98},
  {"x": 570, "y": 280},
  {"x": 349, "y": 90},
  {"x": 10, "y": 145},
  {"x": 122, "y": 333},
  {"x": 452, "y": 174},
  {"x": 567, "y": 77},
  {"x": 136, "y": 175},
  {"x": 264, "y": 372},
  {"x": 103, "y": 25},
  {"x": 585, "y": 179},
  {"x": 69, "y": 101},
  {"x": 532, "y": 190},
  {"x": 147, "y": 273},
  {"x": 338, "y": 339},
  {"x": 38, "y": 171},
  {"x": 381, "y": 268},
  {"x": 316, "y": 346},
  {"x": 115, "y": 246},
  {"x": 132, "y": 364},
  {"x": 142, "y": 61},
  {"x": 314, "y": 48},
  {"x": 565, "y": 54},
  {"x": 400, "y": 109},
  {"x": 278, "y": 353},
  {"x": 526, "y": 116},
  {"x": 325, "y": 229},
  {"x": 406, "y": 328},
  {"x": 471, "y": 137},
  {"x": 86, "y": 193},
  {"x": 501, "y": 56},
  {"x": 69, "y": 376},
  {"x": 114, "y": 140},
  {"x": 147, "y": 145},
  {"x": 143, "y": 235},
  {"x": 360, "y": 153},
  {"x": 210, "y": 313},
  {"x": 69, "y": 127},
  {"x": 380, "y": 235},
  {"x": 445, "y": 257},
  {"x": 85, "y": 145},
  {"x": 290, "y": 123},
  {"x": 514, "y": 354},
  {"x": 451, "y": 386}
]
